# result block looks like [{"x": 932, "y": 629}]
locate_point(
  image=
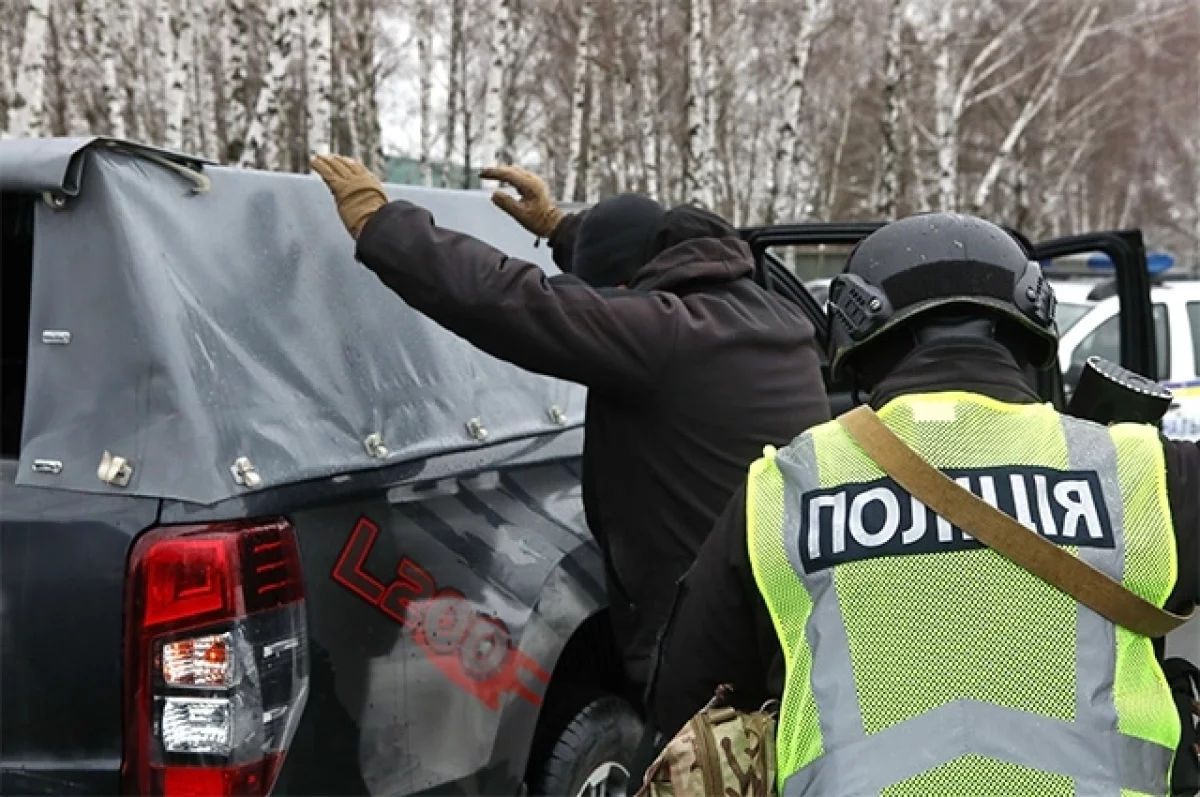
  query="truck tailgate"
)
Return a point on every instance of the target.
[{"x": 62, "y": 573}]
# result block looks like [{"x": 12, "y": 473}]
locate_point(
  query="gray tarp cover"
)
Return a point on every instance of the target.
[{"x": 236, "y": 323}]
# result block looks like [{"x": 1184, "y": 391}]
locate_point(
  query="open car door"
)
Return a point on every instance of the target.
[
  {"x": 1134, "y": 323},
  {"x": 794, "y": 260}
]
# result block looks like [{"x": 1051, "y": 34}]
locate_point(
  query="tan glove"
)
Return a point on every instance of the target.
[
  {"x": 534, "y": 211},
  {"x": 357, "y": 192}
]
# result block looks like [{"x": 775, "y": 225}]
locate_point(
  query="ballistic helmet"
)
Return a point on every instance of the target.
[{"x": 928, "y": 268}]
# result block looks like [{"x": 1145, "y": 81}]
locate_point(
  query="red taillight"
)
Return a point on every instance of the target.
[{"x": 216, "y": 658}]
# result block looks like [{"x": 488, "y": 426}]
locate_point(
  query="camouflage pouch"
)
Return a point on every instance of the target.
[{"x": 721, "y": 752}]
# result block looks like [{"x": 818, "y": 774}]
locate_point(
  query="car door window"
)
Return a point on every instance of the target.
[{"x": 1105, "y": 341}]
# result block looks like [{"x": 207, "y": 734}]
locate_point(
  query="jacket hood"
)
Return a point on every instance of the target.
[{"x": 696, "y": 261}]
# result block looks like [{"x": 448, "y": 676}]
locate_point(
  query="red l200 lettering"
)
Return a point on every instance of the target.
[{"x": 472, "y": 650}]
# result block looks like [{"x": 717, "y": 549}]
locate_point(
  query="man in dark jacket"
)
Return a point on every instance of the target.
[
  {"x": 725, "y": 632},
  {"x": 690, "y": 370}
]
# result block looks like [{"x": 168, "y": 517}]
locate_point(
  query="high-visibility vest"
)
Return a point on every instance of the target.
[{"x": 919, "y": 661}]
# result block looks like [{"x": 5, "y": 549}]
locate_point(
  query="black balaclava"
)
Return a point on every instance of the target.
[
  {"x": 613, "y": 236},
  {"x": 687, "y": 223}
]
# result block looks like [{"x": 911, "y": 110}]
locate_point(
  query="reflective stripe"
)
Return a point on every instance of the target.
[
  {"x": 832, "y": 679},
  {"x": 967, "y": 727},
  {"x": 1091, "y": 447}
]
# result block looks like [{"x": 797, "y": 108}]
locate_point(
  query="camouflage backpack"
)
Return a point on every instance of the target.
[{"x": 721, "y": 752}]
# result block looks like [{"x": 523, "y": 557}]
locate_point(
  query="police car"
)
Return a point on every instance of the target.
[{"x": 1176, "y": 308}]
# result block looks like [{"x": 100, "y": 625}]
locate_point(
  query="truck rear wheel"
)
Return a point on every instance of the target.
[{"x": 591, "y": 755}]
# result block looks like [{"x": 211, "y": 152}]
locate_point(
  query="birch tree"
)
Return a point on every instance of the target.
[
  {"x": 576, "y": 156},
  {"x": 26, "y": 112},
  {"x": 262, "y": 145},
  {"x": 497, "y": 149},
  {"x": 889, "y": 178},
  {"x": 1081, "y": 31},
  {"x": 235, "y": 30},
  {"x": 647, "y": 96},
  {"x": 318, "y": 58},
  {"x": 454, "y": 90},
  {"x": 786, "y": 151},
  {"x": 182, "y": 61},
  {"x": 424, "y": 34},
  {"x": 698, "y": 173}
]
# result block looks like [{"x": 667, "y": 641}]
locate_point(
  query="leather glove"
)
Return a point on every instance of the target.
[
  {"x": 357, "y": 192},
  {"x": 534, "y": 211}
]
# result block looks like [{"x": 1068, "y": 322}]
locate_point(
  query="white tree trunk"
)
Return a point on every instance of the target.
[
  {"x": 366, "y": 101},
  {"x": 945, "y": 119},
  {"x": 454, "y": 88},
  {"x": 6, "y": 80},
  {"x": 318, "y": 59},
  {"x": 889, "y": 179},
  {"x": 594, "y": 169},
  {"x": 424, "y": 36},
  {"x": 576, "y": 157},
  {"x": 113, "y": 23},
  {"x": 73, "y": 21},
  {"x": 1042, "y": 94},
  {"x": 647, "y": 101},
  {"x": 780, "y": 195},
  {"x": 262, "y": 136},
  {"x": 698, "y": 162},
  {"x": 181, "y": 77},
  {"x": 617, "y": 92},
  {"x": 496, "y": 149},
  {"x": 206, "y": 97},
  {"x": 27, "y": 113},
  {"x": 235, "y": 30}
]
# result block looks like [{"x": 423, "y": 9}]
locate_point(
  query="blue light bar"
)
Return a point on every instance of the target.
[{"x": 1156, "y": 262}]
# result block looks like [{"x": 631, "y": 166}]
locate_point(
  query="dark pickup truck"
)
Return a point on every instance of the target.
[{"x": 264, "y": 529}]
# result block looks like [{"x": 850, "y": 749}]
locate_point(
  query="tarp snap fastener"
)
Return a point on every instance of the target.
[
  {"x": 244, "y": 473},
  {"x": 557, "y": 415},
  {"x": 114, "y": 470},
  {"x": 476, "y": 429},
  {"x": 375, "y": 446}
]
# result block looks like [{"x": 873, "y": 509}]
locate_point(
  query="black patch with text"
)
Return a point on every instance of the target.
[{"x": 874, "y": 519}]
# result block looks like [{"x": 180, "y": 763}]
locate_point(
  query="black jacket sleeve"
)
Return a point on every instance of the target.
[
  {"x": 617, "y": 341},
  {"x": 1183, "y": 489},
  {"x": 721, "y": 633}
]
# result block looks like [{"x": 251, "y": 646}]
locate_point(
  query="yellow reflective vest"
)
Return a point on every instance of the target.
[{"x": 920, "y": 662}]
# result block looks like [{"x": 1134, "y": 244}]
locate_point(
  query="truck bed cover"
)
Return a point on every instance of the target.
[{"x": 209, "y": 326}]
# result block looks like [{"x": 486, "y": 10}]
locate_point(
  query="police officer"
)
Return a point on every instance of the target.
[{"x": 909, "y": 659}]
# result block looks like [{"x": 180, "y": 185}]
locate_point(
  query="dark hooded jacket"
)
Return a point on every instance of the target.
[{"x": 691, "y": 371}]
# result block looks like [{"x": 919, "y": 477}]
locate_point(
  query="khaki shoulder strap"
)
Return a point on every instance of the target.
[{"x": 1002, "y": 533}]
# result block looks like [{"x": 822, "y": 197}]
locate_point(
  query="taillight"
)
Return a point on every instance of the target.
[{"x": 216, "y": 658}]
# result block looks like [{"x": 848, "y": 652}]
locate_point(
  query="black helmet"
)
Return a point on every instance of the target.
[{"x": 930, "y": 264}]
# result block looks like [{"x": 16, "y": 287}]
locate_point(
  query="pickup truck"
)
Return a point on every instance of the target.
[{"x": 266, "y": 530}]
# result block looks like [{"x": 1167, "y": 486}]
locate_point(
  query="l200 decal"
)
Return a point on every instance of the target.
[{"x": 472, "y": 650}]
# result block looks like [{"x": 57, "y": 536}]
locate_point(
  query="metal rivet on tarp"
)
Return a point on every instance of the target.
[
  {"x": 114, "y": 470},
  {"x": 557, "y": 415},
  {"x": 50, "y": 467},
  {"x": 375, "y": 446},
  {"x": 476, "y": 429},
  {"x": 56, "y": 201},
  {"x": 56, "y": 337},
  {"x": 244, "y": 473}
]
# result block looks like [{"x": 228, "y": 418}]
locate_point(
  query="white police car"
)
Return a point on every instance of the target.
[{"x": 1176, "y": 308}]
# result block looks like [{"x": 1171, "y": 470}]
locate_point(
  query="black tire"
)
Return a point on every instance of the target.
[{"x": 596, "y": 743}]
